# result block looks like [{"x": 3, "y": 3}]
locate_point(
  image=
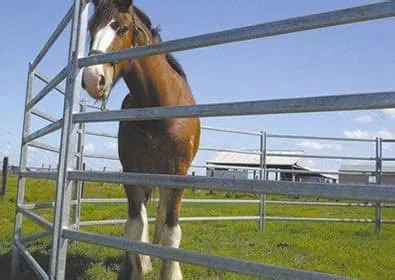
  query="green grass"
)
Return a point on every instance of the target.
[{"x": 337, "y": 248}]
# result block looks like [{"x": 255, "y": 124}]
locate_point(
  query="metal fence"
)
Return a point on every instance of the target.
[
  {"x": 70, "y": 151},
  {"x": 263, "y": 171}
]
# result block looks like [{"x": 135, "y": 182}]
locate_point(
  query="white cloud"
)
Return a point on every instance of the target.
[
  {"x": 356, "y": 133},
  {"x": 90, "y": 148},
  {"x": 390, "y": 113},
  {"x": 320, "y": 146},
  {"x": 360, "y": 134},
  {"x": 384, "y": 133},
  {"x": 365, "y": 119},
  {"x": 112, "y": 146},
  {"x": 389, "y": 147}
]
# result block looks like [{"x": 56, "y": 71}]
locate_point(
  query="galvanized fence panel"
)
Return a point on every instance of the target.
[
  {"x": 20, "y": 197},
  {"x": 68, "y": 142},
  {"x": 64, "y": 176}
]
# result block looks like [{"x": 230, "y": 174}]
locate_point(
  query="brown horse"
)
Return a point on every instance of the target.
[{"x": 160, "y": 146}]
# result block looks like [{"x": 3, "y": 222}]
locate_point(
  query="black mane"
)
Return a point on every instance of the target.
[
  {"x": 105, "y": 10},
  {"x": 174, "y": 63}
]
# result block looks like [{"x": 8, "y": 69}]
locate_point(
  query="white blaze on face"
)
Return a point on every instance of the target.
[
  {"x": 104, "y": 38},
  {"x": 93, "y": 75}
]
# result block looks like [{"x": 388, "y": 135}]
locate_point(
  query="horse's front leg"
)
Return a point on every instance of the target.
[
  {"x": 136, "y": 228},
  {"x": 168, "y": 230}
]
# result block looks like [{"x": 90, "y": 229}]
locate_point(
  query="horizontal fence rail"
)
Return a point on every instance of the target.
[
  {"x": 239, "y": 201},
  {"x": 43, "y": 115},
  {"x": 34, "y": 237},
  {"x": 101, "y": 134},
  {"x": 321, "y": 20},
  {"x": 318, "y": 156},
  {"x": 281, "y": 170},
  {"x": 214, "y": 149},
  {"x": 341, "y": 191},
  {"x": 313, "y": 172},
  {"x": 379, "y": 100},
  {"x": 234, "y": 131},
  {"x": 215, "y": 262},
  {"x": 246, "y": 218},
  {"x": 36, "y": 218},
  {"x": 38, "y": 175},
  {"x": 36, "y": 206},
  {"x": 281, "y": 136},
  {"x": 52, "y": 39},
  {"x": 46, "y": 80},
  {"x": 50, "y": 86},
  {"x": 306, "y": 219},
  {"x": 244, "y": 132},
  {"x": 43, "y": 146},
  {"x": 43, "y": 131},
  {"x": 182, "y": 219},
  {"x": 100, "y": 156},
  {"x": 236, "y": 166}
]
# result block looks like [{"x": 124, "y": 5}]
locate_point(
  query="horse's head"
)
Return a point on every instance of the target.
[{"x": 111, "y": 28}]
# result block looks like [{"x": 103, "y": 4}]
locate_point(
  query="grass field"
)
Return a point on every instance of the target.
[{"x": 337, "y": 248}]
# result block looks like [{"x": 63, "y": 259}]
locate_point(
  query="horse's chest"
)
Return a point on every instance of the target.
[
  {"x": 154, "y": 143},
  {"x": 146, "y": 141}
]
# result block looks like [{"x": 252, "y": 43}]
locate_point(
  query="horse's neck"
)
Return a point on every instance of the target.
[
  {"x": 152, "y": 81},
  {"x": 144, "y": 80}
]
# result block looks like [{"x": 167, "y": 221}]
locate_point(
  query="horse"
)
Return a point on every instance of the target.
[{"x": 158, "y": 146}]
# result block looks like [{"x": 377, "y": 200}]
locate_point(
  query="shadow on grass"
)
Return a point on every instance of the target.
[{"x": 77, "y": 265}]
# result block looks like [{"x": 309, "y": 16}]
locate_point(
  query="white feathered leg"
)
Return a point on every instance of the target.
[
  {"x": 171, "y": 237},
  {"x": 137, "y": 229}
]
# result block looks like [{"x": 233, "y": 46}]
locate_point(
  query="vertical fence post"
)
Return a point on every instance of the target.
[
  {"x": 379, "y": 172},
  {"x": 4, "y": 176},
  {"x": 83, "y": 182},
  {"x": 79, "y": 166},
  {"x": 57, "y": 267},
  {"x": 262, "y": 176},
  {"x": 21, "y": 180}
]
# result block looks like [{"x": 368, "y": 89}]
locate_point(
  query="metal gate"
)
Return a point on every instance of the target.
[
  {"x": 70, "y": 151},
  {"x": 262, "y": 172}
]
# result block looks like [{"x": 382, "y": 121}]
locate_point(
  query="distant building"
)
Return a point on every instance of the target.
[
  {"x": 290, "y": 167},
  {"x": 365, "y": 174}
]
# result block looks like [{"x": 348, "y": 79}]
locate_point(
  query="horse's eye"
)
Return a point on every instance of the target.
[
  {"x": 114, "y": 25},
  {"x": 122, "y": 30}
]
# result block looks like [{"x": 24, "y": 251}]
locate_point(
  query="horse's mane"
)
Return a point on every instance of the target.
[
  {"x": 106, "y": 9},
  {"x": 155, "y": 31}
]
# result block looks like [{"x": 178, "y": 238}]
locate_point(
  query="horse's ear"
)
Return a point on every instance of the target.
[{"x": 125, "y": 4}]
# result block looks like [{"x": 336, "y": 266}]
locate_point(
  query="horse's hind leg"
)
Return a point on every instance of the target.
[
  {"x": 168, "y": 231},
  {"x": 136, "y": 228}
]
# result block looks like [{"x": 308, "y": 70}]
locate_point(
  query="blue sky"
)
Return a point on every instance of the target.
[{"x": 344, "y": 59}]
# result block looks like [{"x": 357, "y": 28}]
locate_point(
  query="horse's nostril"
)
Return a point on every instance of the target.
[{"x": 102, "y": 81}]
